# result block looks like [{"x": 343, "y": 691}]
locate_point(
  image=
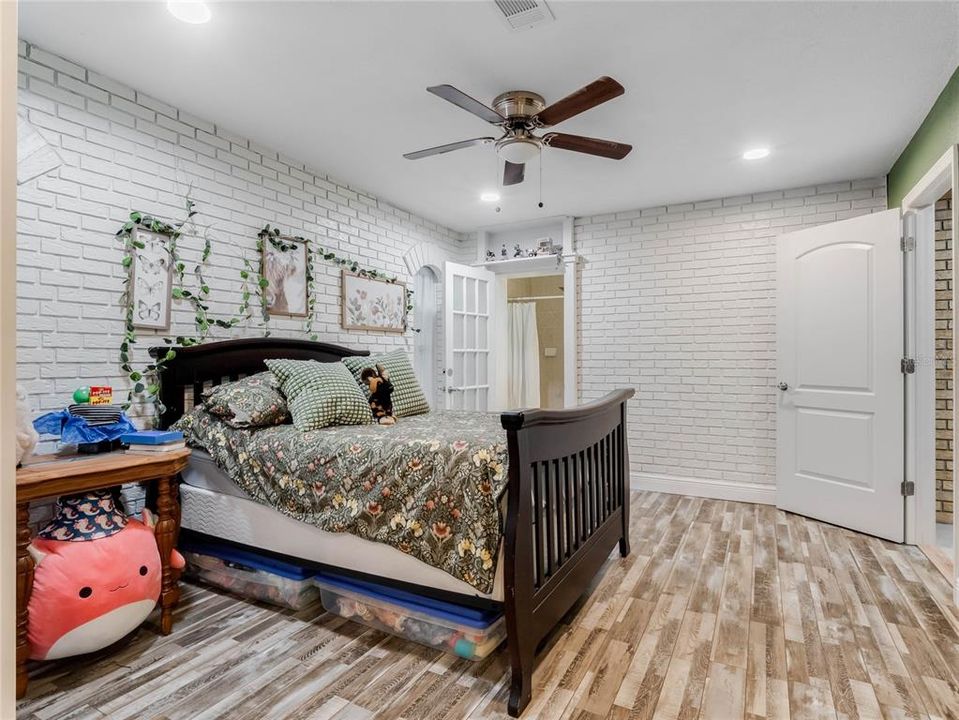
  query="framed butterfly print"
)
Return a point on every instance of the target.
[{"x": 152, "y": 280}]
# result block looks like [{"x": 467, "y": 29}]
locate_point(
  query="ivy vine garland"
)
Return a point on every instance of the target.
[
  {"x": 146, "y": 381},
  {"x": 285, "y": 243}
]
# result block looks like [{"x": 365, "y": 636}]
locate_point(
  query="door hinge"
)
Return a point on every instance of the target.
[
  {"x": 907, "y": 244},
  {"x": 908, "y": 488},
  {"x": 907, "y": 366}
]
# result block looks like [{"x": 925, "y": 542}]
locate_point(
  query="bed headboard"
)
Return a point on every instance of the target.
[{"x": 212, "y": 363}]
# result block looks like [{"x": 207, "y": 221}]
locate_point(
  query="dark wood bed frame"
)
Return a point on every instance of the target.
[{"x": 567, "y": 495}]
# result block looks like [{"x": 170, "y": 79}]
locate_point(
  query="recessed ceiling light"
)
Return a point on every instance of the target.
[
  {"x": 194, "y": 12},
  {"x": 756, "y": 153},
  {"x": 489, "y": 196}
]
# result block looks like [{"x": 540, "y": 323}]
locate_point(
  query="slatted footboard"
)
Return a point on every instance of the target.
[{"x": 567, "y": 508}]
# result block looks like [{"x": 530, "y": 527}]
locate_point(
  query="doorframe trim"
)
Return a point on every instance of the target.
[
  {"x": 568, "y": 267},
  {"x": 920, "y": 508}
]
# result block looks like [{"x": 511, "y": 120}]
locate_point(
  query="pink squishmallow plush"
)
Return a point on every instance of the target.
[{"x": 97, "y": 577}]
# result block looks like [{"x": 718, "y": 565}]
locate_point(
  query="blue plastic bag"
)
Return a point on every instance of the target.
[{"x": 74, "y": 430}]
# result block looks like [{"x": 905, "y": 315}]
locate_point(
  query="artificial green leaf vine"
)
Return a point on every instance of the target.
[
  {"x": 285, "y": 243},
  {"x": 146, "y": 380}
]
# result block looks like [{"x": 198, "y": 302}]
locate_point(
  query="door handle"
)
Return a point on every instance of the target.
[
  {"x": 454, "y": 389},
  {"x": 783, "y": 386}
]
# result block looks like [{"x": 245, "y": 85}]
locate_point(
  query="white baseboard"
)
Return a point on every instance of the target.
[{"x": 705, "y": 487}]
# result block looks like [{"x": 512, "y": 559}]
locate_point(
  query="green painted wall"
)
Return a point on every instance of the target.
[{"x": 938, "y": 131}]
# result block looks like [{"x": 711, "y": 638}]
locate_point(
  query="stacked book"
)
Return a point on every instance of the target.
[{"x": 154, "y": 441}]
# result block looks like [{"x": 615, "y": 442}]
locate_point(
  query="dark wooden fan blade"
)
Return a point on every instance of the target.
[
  {"x": 596, "y": 93},
  {"x": 590, "y": 146},
  {"x": 461, "y": 99},
  {"x": 440, "y": 149},
  {"x": 513, "y": 173}
]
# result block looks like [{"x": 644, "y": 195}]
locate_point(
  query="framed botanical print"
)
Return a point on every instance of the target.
[
  {"x": 284, "y": 265},
  {"x": 370, "y": 304},
  {"x": 152, "y": 280}
]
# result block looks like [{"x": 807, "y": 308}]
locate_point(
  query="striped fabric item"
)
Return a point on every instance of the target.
[{"x": 408, "y": 397}]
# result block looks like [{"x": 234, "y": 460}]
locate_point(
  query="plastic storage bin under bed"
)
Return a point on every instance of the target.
[
  {"x": 470, "y": 633},
  {"x": 250, "y": 575}
]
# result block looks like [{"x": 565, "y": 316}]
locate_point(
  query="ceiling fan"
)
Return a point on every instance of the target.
[{"x": 519, "y": 113}]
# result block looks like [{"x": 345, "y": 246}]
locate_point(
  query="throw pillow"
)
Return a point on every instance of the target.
[
  {"x": 408, "y": 397},
  {"x": 320, "y": 394},
  {"x": 251, "y": 402}
]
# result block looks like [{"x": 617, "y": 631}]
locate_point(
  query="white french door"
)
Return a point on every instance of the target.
[
  {"x": 468, "y": 325},
  {"x": 840, "y": 432}
]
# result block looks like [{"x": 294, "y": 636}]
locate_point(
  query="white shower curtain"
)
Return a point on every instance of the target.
[
  {"x": 523, "y": 356},
  {"x": 424, "y": 320}
]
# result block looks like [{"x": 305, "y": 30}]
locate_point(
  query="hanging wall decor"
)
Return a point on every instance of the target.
[
  {"x": 134, "y": 233},
  {"x": 285, "y": 267},
  {"x": 151, "y": 274},
  {"x": 373, "y": 304}
]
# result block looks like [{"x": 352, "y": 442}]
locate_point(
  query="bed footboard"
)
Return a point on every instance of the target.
[{"x": 567, "y": 508}]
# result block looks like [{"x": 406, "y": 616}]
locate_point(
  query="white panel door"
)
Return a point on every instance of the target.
[
  {"x": 469, "y": 302},
  {"x": 840, "y": 341}
]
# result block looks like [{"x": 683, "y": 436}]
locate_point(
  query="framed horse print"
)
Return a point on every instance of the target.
[
  {"x": 284, "y": 265},
  {"x": 151, "y": 280}
]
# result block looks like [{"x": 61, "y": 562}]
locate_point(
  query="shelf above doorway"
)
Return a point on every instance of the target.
[{"x": 524, "y": 264}]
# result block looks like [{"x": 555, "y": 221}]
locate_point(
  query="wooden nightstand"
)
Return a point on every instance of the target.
[{"x": 50, "y": 476}]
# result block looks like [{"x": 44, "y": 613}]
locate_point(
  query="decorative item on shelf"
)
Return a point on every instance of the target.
[
  {"x": 27, "y": 436},
  {"x": 284, "y": 265},
  {"x": 153, "y": 441},
  {"x": 373, "y": 304},
  {"x": 531, "y": 252},
  {"x": 97, "y": 576},
  {"x": 503, "y": 254},
  {"x": 517, "y": 251},
  {"x": 545, "y": 246},
  {"x": 490, "y": 255}
]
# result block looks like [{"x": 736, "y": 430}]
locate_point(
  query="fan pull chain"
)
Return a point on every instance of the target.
[{"x": 541, "y": 178}]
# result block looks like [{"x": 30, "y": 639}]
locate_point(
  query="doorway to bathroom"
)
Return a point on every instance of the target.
[{"x": 534, "y": 341}]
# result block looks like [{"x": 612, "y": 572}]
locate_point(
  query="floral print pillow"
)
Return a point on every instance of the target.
[{"x": 254, "y": 401}]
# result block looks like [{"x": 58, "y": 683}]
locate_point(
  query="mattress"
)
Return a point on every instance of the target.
[{"x": 211, "y": 503}]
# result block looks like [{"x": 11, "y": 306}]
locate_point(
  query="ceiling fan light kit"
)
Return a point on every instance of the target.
[
  {"x": 518, "y": 150},
  {"x": 520, "y": 113}
]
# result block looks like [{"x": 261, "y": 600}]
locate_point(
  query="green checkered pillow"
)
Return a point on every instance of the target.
[
  {"x": 408, "y": 397},
  {"x": 320, "y": 394}
]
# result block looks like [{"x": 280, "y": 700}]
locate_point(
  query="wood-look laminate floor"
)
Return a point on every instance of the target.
[{"x": 724, "y": 610}]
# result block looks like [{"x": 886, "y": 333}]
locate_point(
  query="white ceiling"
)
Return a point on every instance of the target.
[{"x": 836, "y": 89}]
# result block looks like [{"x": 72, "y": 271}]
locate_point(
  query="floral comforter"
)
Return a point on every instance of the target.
[{"x": 429, "y": 486}]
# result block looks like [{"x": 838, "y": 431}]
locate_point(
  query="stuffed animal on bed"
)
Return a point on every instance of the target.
[
  {"x": 381, "y": 394},
  {"x": 97, "y": 577}
]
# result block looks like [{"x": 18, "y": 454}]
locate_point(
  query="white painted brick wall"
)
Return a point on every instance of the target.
[
  {"x": 680, "y": 302},
  {"x": 126, "y": 151}
]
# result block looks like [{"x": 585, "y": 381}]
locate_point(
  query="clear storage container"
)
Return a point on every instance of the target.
[
  {"x": 251, "y": 577},
  {"x": 469, "y": 633}
]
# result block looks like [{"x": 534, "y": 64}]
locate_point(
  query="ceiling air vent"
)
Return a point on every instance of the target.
[{"x": 525, "y": 14}]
